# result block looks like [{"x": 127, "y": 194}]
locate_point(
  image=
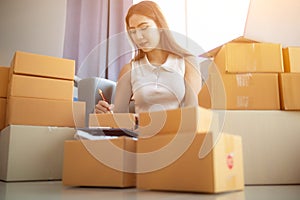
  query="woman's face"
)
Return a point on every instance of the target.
[{"x": 144, "y": 32}]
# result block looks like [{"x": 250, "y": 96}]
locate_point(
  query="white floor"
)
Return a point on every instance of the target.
[{"x": 54, "y": 190}]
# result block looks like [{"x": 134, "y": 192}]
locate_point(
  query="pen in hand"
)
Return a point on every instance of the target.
[{"x": 103, "y": 98}]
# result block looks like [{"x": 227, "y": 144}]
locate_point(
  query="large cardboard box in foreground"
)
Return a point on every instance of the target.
[
  {"x": 219, "y": 170},
  {"x": 30, "y": 153},
  {"x": 271, "y": 143},
  {"x": 101, "y": 163}
]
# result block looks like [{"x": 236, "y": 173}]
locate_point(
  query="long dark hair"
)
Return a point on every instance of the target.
[{"x": 167, "y": 41}]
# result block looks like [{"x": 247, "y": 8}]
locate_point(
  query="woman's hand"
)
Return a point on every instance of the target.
[{"x": 103, "y": 107}]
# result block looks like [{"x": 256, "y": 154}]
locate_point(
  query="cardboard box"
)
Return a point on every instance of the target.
[
  {"x": 40, "y": 87},
  {"x": 2, "y": 112},
  {"x": 249, "y": 57},
  {"x": 187, "y": 119},
  {"x": 4, "y": 71},
  {"x": 114, "y": 120},
  {"x": 41, "y": 65},
  {"x": 45, "y": 112},
  {"x": 204, "y": 98},
  {"x": 291, "y": 58},
  {"x": 271, "y": 143},
  {"x": 221, "y": 170},
  {"x": 252, "y": 91},
  {"x": 30, "y": 153},
  {"x": 92, "y": 170},
  {"x": 289, "y": 91}
]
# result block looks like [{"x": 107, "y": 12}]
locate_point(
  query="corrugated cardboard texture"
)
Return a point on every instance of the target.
[
  {"x": 251, "y": 91},
  {"x": 187, "y": 119},
  {"x": 4, "y": 71},
  {"x": 289, "y": 91},
  {"x": 2, "y": 112},
  {"x": 250, "y": 57},
  {"x": 89, "y": 169},
  {"x": 291, "y": 58},
  {"x": 191, "y": 173},
  {"x": 42, "y": 112},
  {"x": 38, "y": 87},
  {"x": 42, "y": 65}
]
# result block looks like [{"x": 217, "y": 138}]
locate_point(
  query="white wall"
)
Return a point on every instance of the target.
[
  {"x": 274, "y": 21},
  {"x": 36, "y": 26}
]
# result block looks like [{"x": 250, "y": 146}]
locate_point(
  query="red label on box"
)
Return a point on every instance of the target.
[{"x": 230, "y": 161}]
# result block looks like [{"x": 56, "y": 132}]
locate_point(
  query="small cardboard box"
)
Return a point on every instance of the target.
[
  {"x": 30, "y": 153},
  {"x": 2, "y": 112},
  {"x": 249, "y": 57},
  {"x": 40, "y": 87},
  {"x": 41, "y": 65},
  {"x": 289, "y": 91},
  {"x": 113, "y": 120},
  {"x": 45, "y": 112},
  {"x": 220, "y": 170},
  {"x": 4, "y": 72},
  {"x": 251, "y": 91},
  {"x": 291, "y": 59},
  {"x": 101, "y": 163},
  {"x": 186, "y": 119}
]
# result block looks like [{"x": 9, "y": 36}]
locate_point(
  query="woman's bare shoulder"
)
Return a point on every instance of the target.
[{"x": 125, "y": 69}]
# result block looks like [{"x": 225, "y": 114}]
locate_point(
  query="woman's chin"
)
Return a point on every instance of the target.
[{"x": 146, "y": 49}]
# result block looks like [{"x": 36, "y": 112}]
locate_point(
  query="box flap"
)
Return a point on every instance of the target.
[{"x": 213, "y": 52}]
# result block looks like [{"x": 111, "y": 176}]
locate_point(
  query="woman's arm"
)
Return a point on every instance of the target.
[
  {"x": 123, "y": 91},
  {"x": 193, "y": 81}
]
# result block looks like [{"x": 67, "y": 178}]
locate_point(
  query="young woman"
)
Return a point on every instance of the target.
[{"x": 162, "y": 75}]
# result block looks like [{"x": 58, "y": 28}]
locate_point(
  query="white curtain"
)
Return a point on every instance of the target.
[{"x": 95, "y": 37}]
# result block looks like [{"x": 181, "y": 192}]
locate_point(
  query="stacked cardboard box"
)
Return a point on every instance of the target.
[
  {"x": 244, "y": 76},
  {"x": 3, "y": 94},
  {"x": 181, "y": 150},
  {"x": 176, "y": 150},
  {"x": 40, "y": 116},
  {"x": 40, "y": 91},
  {"x": 251, "y": 91},
  {"x": 106, "y": 161},
  {"x": 290, "y": 80}
]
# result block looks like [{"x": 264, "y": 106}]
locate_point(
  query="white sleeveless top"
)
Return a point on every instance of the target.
[{"x": 158, "y": 87}]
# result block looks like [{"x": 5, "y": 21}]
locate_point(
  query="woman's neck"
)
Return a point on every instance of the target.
[{"x": 157, "y": 57}]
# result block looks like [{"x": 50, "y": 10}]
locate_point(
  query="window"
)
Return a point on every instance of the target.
[{"x": 206, "y": 23}]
